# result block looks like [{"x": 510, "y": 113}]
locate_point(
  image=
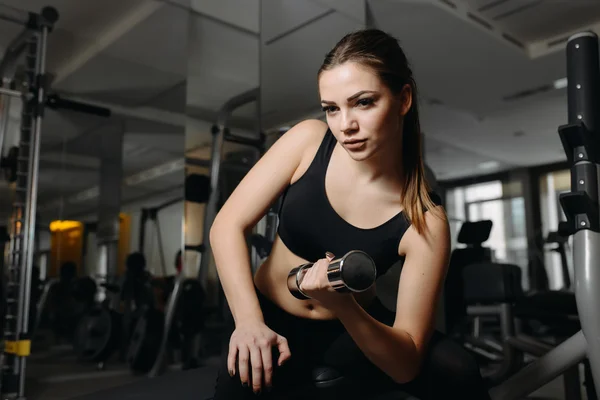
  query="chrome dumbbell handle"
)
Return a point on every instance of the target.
[{"x": 354, "y": 272}]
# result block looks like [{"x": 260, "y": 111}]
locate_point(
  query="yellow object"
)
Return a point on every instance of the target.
[
  {"x": 66, "y": 244},
  {"x": 21, "y": 348}
]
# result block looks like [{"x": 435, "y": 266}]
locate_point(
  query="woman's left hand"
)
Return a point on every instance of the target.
[{"x": 316, "y": 285}]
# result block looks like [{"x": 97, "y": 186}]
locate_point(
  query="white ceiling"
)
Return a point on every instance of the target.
[{"x": 166, "y": 67}]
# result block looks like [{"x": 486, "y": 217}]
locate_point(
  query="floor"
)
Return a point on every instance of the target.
[{"x": 55, "y": 374}]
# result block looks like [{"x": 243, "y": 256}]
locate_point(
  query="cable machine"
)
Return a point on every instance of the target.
[{"x": 32, "y": 41}]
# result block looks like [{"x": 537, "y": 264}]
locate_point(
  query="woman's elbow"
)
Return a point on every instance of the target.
[{"x": 221, "y": 228}]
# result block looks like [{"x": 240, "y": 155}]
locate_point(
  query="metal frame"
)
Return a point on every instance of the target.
[
  {"x": 581, "y": 144},
  {"x": 152, "y": 215},
  {"x": 32, "y": 41}
]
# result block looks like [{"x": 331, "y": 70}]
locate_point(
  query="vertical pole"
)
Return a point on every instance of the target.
[
  {"x": 581, "y": 205},
  {"x": 109, "y": 202}
]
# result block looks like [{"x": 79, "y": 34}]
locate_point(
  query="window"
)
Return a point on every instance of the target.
[
  {"x": 503, "y": 204},
  {"x": 551, "y": 186}
]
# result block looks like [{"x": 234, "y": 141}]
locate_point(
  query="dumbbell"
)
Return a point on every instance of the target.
[{"x": 354, "y": 272}]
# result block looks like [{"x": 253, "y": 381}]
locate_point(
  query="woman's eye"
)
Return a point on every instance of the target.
[{"x": 364, "y": 102}]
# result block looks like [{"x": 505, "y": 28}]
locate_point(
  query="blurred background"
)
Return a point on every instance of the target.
[{"x": 157, "y": 109}]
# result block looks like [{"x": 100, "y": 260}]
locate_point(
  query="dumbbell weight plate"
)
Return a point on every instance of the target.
[
  {"x": 97, "y": 334},
  {"x": 145, "y": 340}
]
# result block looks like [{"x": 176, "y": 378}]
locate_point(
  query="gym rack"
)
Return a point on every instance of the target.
[{"x": 32, "y": 41}]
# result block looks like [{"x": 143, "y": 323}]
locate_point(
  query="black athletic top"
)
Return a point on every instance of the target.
[{"x": 309, "y": 226}]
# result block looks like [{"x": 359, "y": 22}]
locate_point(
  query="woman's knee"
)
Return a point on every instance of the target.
[
  {"x": 448, "y": 358},
  {"x": 450, "y": 368}
]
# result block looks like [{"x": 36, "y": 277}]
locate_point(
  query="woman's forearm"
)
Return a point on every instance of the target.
[
  {"x": 235, "y": 273},
  {"x": 392, "y": 350}
]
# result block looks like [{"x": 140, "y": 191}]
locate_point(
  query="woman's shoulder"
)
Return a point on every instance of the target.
[
  {"x": 309, "y": 130},
  {"x": 308, "y": 135}
]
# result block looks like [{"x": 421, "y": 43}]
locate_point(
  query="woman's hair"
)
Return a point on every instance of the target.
[{"x": 381, "y": 53}]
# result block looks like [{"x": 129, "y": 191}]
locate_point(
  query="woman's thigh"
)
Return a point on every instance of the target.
[
  {"x": 449, "y": 371},
  {"x": 294, "y": 373},
  {"x": 285, "y": 378}
]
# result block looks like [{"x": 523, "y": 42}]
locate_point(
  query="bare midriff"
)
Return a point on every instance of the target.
[{"x": 271, "y": 280}]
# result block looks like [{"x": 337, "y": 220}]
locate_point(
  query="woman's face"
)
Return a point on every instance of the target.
[{"x": 363, "y": 114}]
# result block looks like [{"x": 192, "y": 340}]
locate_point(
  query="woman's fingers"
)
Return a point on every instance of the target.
[
  {"x": 256, "y": 362},
  {"x": 232, "y": 358},
  {"x": 243, "y": 359}
]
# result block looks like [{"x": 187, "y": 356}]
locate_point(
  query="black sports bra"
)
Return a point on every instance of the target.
[{"x": 309, "y": 226}]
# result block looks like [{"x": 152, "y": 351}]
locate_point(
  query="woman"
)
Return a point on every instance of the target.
[{"x": 355, "y": 183}]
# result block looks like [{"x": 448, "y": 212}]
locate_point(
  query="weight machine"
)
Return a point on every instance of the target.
[
  {"x": 151, "y": 214},
  {"x": 580, "y": 140},
  {"x": 19, "y": 255}
]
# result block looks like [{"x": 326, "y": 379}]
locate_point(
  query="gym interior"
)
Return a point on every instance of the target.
[{"x": 125, "y": 125}]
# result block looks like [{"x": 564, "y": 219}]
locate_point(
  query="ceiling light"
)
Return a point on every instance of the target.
[
  {"x": 560, "y": 83},
  {"x": 488, "y": 165}
]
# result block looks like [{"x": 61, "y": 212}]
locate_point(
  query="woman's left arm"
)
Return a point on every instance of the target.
[{"x": 399, "y": 350}]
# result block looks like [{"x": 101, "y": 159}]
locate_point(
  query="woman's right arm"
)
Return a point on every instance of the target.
[{"x": 248, "y": 203}]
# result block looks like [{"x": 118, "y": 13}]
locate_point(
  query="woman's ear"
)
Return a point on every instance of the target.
[{"x": 406, "y": 99}]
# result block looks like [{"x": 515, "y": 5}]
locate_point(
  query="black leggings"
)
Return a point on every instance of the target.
[{"x": 449, "y": 370}]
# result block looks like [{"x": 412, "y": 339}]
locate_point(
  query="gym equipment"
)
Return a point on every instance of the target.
[
  {"x": 580, "y": 142},
  {"x": 559, "y": 238},
  {"x": 472, "y": 234},
  {"x": 197, "y": 188},
  {"x": 183, "y": 313},
  {"x": 145, "y": 340},
  {"x": 354, "y": 272},
  {"x": 98, "y": 334},
  {"x": 186, "y": 321},
  {"x": 105, "y": 328},
  {"x": 32, "y": 40},
  {"x": 222, "y": 134},
  {"x": 152, "y": 214}
]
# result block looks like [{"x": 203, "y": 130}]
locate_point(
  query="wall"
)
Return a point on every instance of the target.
[{"x": 169, "y": 219}]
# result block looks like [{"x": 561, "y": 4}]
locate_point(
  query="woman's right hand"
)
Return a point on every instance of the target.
[{"x": 251, "y": 346}]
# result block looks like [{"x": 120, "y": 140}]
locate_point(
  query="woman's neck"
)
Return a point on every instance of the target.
[{"x": 385, "y": 166}]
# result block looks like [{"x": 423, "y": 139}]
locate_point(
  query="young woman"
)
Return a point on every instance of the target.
[{"x": 355, "y": 183}]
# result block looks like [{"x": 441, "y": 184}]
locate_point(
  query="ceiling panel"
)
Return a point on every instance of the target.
[
  {"x": 166, "y": 30},
  {"x": 240, "y": 13},
  {"x": 530, "y": 20},
  {"x": 119, "y": 81},
  {"x": 289, "y": 89},
  {"x": 223, "y": 63},
  {"x": 456, "y": 63}
]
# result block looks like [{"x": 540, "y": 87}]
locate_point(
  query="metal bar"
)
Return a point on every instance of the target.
[
  {"x": 13, "y": 51},
  {"x": 160, "y": 245},
  {"x": 219, "y": 134},
  {"x": 493, "y": 309},
  {"x": 142, "y": 230},
  {"x": 4, "y": 123},
  {"x": 13, "y": 93},
  {"x": 56, "y": 102},
  {"x": 159, "y": 363},
  {"x": 543, "y": 370},
  {"x": 33, "y": 190},
  {"x": 13, "y": 14}
]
